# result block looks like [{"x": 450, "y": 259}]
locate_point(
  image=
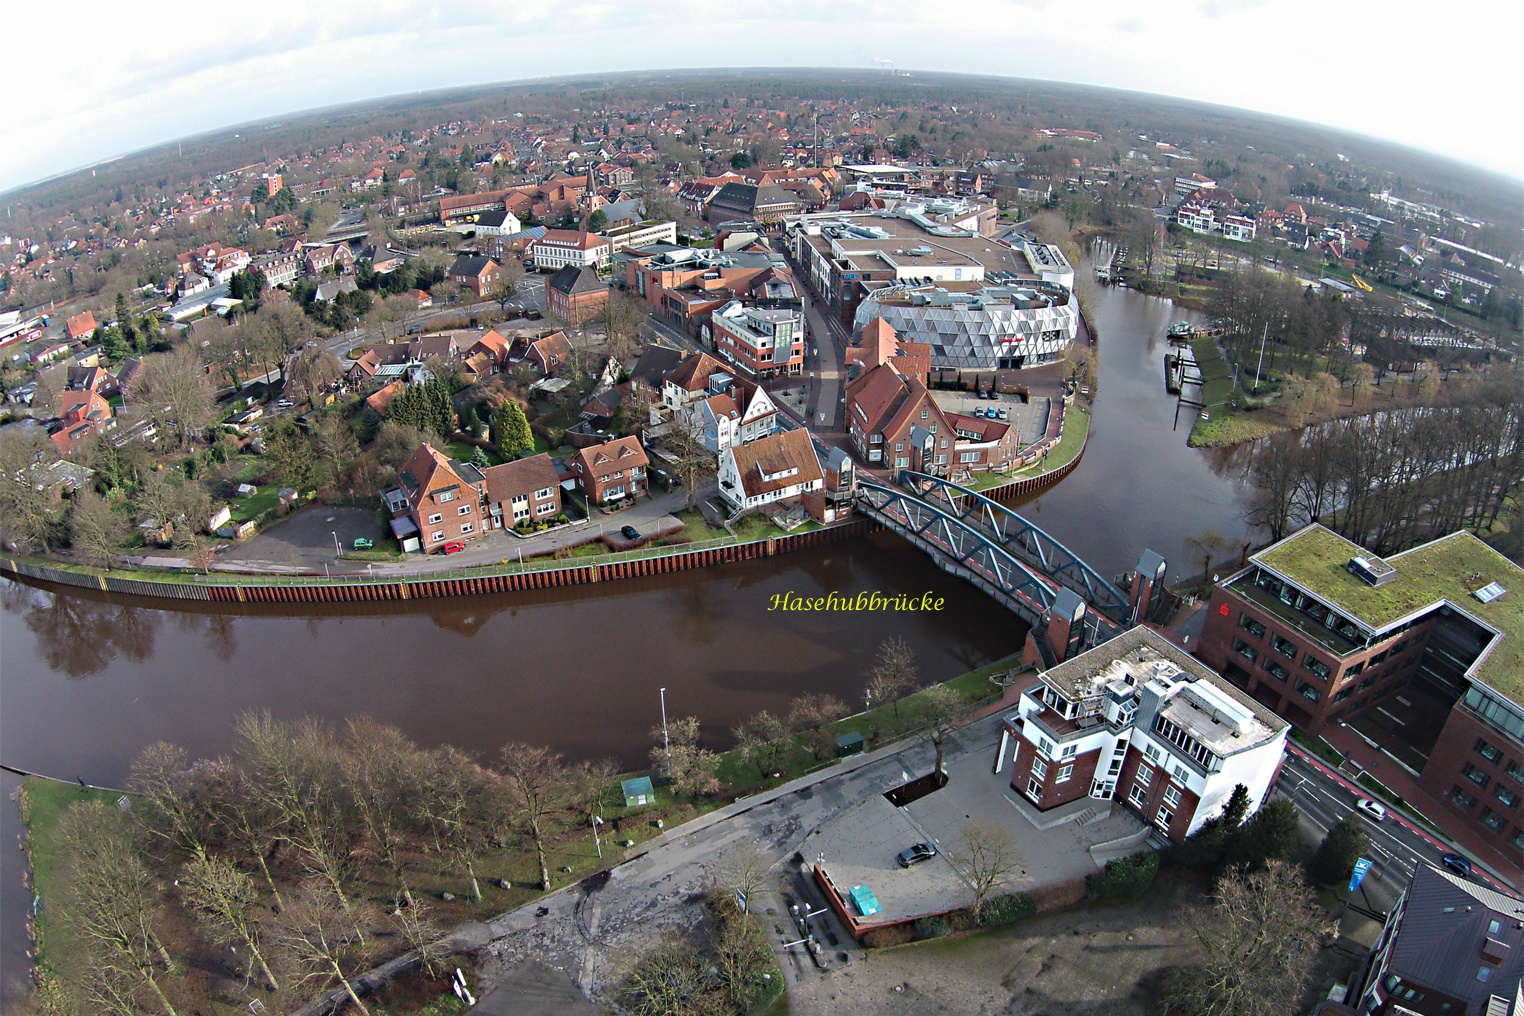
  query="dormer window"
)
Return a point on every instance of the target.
[{"x": 446, "y": 496}]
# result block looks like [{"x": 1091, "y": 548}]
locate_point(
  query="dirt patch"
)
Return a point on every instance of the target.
[{"x": 1099, "y": 960}]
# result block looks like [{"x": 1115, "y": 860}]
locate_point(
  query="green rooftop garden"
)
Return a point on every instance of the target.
[{"x": 1450, "y": 568}]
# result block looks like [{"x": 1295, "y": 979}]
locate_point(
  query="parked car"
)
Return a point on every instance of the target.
[
  {"x": 1005, "y": 414},
  {"x": 1456, "y": 863},
  {"x": 361, "y": 543},
  {"x": 1375, "y": 812},
  {"x": 915, "y": 854},
  {"x": 630, "y": 533},
  {"x": 453, "y": 547}
]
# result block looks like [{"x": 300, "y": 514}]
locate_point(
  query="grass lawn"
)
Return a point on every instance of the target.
[
  {"x": 694, "y": 529},
  {"x": 255, "y": 505},
  {"x": 46, "y": 801},
  {"x": 462, "y": 451},
  {"x": 1224, "y": 425},
  {"x": 1076, "y": 426}
]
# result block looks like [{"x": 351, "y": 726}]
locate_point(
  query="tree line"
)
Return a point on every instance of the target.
[{"x": 1397, "y": 478}]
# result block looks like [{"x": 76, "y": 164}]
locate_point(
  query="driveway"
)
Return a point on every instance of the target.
[{"x": 306, "y": 540}]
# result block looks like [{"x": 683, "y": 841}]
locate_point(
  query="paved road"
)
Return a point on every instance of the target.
[
  {"x": 1396, "y": 845},
  {"x": 826, "y": 376}
]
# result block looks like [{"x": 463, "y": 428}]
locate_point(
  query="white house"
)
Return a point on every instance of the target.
[
  {"x": 774, "y": 468},
  {"x": 1138, "y": 719}
]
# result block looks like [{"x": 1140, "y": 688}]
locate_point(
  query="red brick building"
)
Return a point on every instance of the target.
[
  {"x": 575, "y": 295},
  {"x": 439, "y": 498},
  {"x": 894, "y": 422},
  {"x": 524, "y": 490},
  {"x": 1324, "y": 632},
  {"x": 474, "y": 271},
  {"x": 613, "y": 471},
  {"x": 1137, "y": 720},
  {"x": 764, "y": 342}
]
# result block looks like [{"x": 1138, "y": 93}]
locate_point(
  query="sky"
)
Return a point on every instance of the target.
[{"x": 1437, "y": 77}]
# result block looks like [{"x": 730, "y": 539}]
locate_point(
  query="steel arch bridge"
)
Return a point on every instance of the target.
[
  {"x": 1025, "y": 539},
  {"x": 966, "y": 550}
]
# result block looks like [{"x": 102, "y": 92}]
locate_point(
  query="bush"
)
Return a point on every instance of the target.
[
  {"x": 883, "y": 938},
  {"x": 1124, "y": 876},
  {"x": 1007, "y": 910},
  {"x": 931, "y": 927}
]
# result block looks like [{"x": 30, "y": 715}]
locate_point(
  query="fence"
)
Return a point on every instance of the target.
[{"x": 495, "y": 578}]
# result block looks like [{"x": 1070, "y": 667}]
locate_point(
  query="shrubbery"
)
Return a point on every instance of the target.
[
  {"x": 932, "y": 927},
  {"x": 1007, "y": 910},
  {"x": 1124, "y": 876}
]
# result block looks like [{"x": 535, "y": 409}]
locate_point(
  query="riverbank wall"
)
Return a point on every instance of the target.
[{"x": 490, "y": 579}]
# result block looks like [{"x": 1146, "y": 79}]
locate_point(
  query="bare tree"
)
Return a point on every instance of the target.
[
  {"x": 1209, "y": 544},
  {"x": 223, "y": 899},
  {"x": 986, "y": 855},
  {"x": 96, "y": 531},
  {"x": 321, "y": 939},
  {"x": 763, "y": 739},
  {"x": 177, "y": 393},
  {"x": 622, "y": 317},
  {"x": 668, "y": 982},
  {"x": 692, "y": 460},
  {"x": 541, "y": 783},
  {"x": 28, "y": 512},
  {"x": 111, "y": 904},
  {"x": 456, "y": 801},
  {"x": 1260, "y": 939},
  {"x": 812, "y": 715},
  {"x": 176, "y": 813},
  {"x": 744, "y": 868},
  {"x": 942, "y": 711},
  {"x": 689, "y": 765},
  {"x": 893, "y": 673},
  {"x": 308, "y": 371},
  {"x": 380, "y": 768}
]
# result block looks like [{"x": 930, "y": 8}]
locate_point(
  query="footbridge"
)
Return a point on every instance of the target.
[{"x": 1003, "y": 554}]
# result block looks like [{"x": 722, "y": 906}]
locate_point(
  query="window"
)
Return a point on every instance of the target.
[
  {"x": 902, "y": 462},
  {"x": 1318, "y": 667},
  {"x": 1172, "y": 795},
  {"x": 1484, "y": 974},
  {"x": 968, "y": 456},
  {"x": 1474, "y": 774},
  {"x": 1070, "y": 750},
  {"x": 1461, "y": 799},
  {"x": 1285, "y": 647},
  {"x": 1488, "y": 751},
  {"x": 1034, "y": 790},
  {"x": 1039, "y": 769},
  {"x": 1152, "y": 751},
  {"x": 1277, "y": 671},
  {"x": 1379, "y": 657},
  {"x": 520, "y": 512},
  {"x": 1492, "y": 820},
  {"x": 1164, "y": 818},
  {"x": 1135, "y": 796},
  {"x": 446, "y": 496},
  {"x": 1245, "y": 650},
  {"x": 466, "y": 527},
  {"x": 1251, "y": 626},
  {"x": 435, "y": 538},
  {"x": 1515, "y": 771},
  {"x": 464, "y": 509},
  {"x": 1352, "y": 671},
  {"x": 924, "y": 414},
  {"x": 1145, "y": 776},
  {"x": 1116, "y": 765},
  {"x": 899, "y": 446},
  {"x": 546, "y": 508},
  {"x": 436, "y": 518},
  {"x": 543, "y": 493},
  {"x": 1045, "y": 746},
  {"x": 1307, "y": 691},
  {"x": 1064, "y": 772}
]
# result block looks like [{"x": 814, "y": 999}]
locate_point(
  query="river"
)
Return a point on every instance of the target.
[{"x": 86, "y": 681}]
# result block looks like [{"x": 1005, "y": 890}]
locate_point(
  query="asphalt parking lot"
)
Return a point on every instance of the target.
[{"x": 306, "y": 539}]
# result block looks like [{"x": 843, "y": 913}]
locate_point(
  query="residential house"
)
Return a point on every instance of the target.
[
  {"x": 475, "y": 272},
  {"x": 524, "y": 490},
  {"x": 493, "y": 346},
  {"x": 611, "y": 472},
  {"x": 894, "y": 422},
  {"x": 1450, "y": 945},
  {"x": 982, "y": 445},
  {"x": 83, "y": 414},
  {"x": 781, "y": 467},
  {"x": 279, "y": 268},
  {"x": 689, "y": 380},
  {"x": 421, "y": 297},
  {"x": 317, "y": 260},
  {"x": 498, "y": 222},
  {"x": 1138, "y": 720},
  {"x": 439, "y": 501},
  {"x": 575, "y": 294},
  {"x": 80, "y": 326},
  {"x": 767, "y": 204},
  {"x": 547, "y": 352},
  {"x": 381, "y": 399},
  {"x": 879, "y": 343}
]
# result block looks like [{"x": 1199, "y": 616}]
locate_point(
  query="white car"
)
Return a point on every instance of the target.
[{"x": 1375, "y": 812}]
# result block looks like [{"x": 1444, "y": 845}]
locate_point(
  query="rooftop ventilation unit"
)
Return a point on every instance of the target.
[
  {"x": 1489, "y": 592},
  {"x": 1371, "y": 570}
]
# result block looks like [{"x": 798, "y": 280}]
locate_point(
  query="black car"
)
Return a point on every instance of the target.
[
  {"x": 915, "y": 854},
  {"x": 630, "y": 533},
  {"x": 1456, "y": 863}
]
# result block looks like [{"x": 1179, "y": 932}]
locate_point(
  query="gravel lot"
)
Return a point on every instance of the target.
[{"x": 1090, "y": 961}]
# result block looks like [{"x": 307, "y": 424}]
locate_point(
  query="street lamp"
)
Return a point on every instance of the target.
[
  {"x": 336, "y": 550},
  {"x": 665, "y": 742}
]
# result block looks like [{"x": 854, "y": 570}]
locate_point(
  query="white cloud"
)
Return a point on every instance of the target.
[{"x": 138, "y": 80}]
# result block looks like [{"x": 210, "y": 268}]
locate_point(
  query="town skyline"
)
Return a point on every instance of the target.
[{"x": 130, "y": 101}]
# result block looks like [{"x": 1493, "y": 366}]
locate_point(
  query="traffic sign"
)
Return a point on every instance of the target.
[{"x": 1358, "y": 876}]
